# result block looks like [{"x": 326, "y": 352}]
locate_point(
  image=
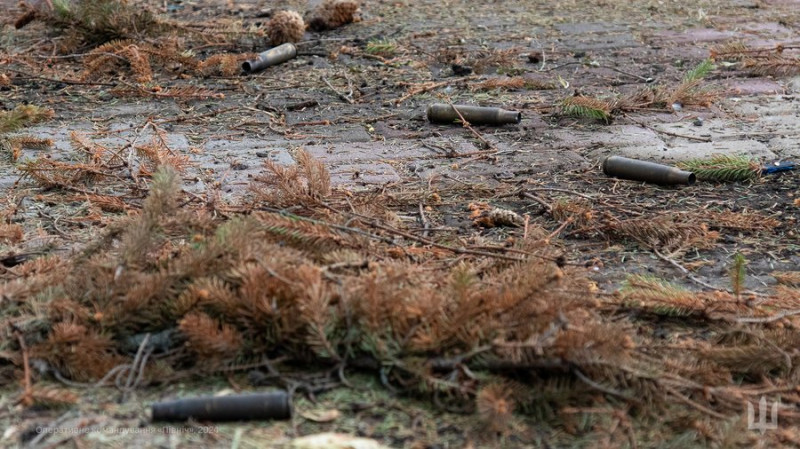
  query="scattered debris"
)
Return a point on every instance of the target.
[
  {"x": 273, "y": 56},
  {"x": 474, "y": 115},
  {"x": 489, "y": 217},
  {"x": 253, "y": 406},
  {"x": 689, "y": 92},
  {"x": 636, "y": 170}
]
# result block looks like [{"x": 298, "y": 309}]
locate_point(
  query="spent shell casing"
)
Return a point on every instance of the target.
[
  {"x": 273, "y": 56},
  {"x": 636, "y": 170},
  {"x": 254, "y": 406},
  {"x": 475, "y": 115}
]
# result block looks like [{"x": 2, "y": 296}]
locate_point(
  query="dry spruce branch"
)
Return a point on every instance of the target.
[
  {"x": 23, "y": 115},
  {"x": 90, "y": 22},
  {"x": 339, "y": 290},
  {"x": 772, "y": 61}
]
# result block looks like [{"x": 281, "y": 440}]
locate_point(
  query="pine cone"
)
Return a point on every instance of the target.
[
  {"x": 333, "y": 14},
  {"x": 285, "y": 26}
]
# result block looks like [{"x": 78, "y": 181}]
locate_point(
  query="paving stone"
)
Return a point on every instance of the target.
[
  {"x": 60, "y": 134},
  {"x": 591, "y": 27},
  {"x": 747, "y": 4},
  {"x": 327, "y": 111},
  {"x": 692, "y": 36},
  {"x": 540, "y": 160},
  {"x": 714, "y": 129},
  {"x": 610, "y": 136},
  {"x": 793, "y": 85},
  {"x": 600, "y": 42},
  {"x": 785, "y": 147},
  {"x": 344, "y": 133},
  {"x": 364, "y": 174},
  {"x": 247, "y": 146},
  {"x": 767, "y": 105},
  {"x": 161, "y": 109},
  {"x": 773, "y": 30},
  {"x": 682, "y": 151},
  {"x": 340, "y": 153},
  {"x": 395, "y": 129},
  {"x": 234, "y": 163},
  {"x": 753, "y": 86}
]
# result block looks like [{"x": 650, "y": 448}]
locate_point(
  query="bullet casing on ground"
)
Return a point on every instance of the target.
[
  {"x": 254, "y": 406},
  {"x": 636, "y": 170},
  {"x": 273, "y": 56},
  {"x": 475, "y": 115}
]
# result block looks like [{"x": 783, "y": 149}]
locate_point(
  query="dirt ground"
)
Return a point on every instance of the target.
[{"x": 360, "y": 109}]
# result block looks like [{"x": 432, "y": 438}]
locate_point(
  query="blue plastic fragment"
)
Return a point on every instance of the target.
[{"x": 779, "y": 167}]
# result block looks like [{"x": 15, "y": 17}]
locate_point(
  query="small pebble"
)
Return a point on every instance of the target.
[
  {"x": 698, "y": 122},
  {"x": 677, "y": 106}
]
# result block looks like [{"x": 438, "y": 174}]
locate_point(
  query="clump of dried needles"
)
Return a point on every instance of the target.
[
  {"x": 91, "y": 22},
  {"x": 348, "y": 288}
]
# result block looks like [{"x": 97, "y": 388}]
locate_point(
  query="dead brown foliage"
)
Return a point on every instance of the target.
[
  {"x": 345, "y": 283},
  {"x": 137, "y": 56},
  {"x": 765, "y": 61},
  {"x": 516, "y": 82}
]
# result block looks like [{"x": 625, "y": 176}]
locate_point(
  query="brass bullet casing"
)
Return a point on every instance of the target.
[
  {"x": 253, "y": 406},
  {"x": 273, "y": 56},
  {"x": 636, "y": 170},
  {"x": 475, "y": 115}
]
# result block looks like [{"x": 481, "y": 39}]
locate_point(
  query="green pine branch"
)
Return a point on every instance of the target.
[
  {"x": 723, "y": 168},
  {"x": 699, "y": 72}
]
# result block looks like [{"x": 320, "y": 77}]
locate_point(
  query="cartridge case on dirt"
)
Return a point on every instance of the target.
[
  {"x": 273, "y": 56},
  {"x": 636, "y": 170},
  {"x": 475, "y": 115},
  {"x": 255, "y": 406}
]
